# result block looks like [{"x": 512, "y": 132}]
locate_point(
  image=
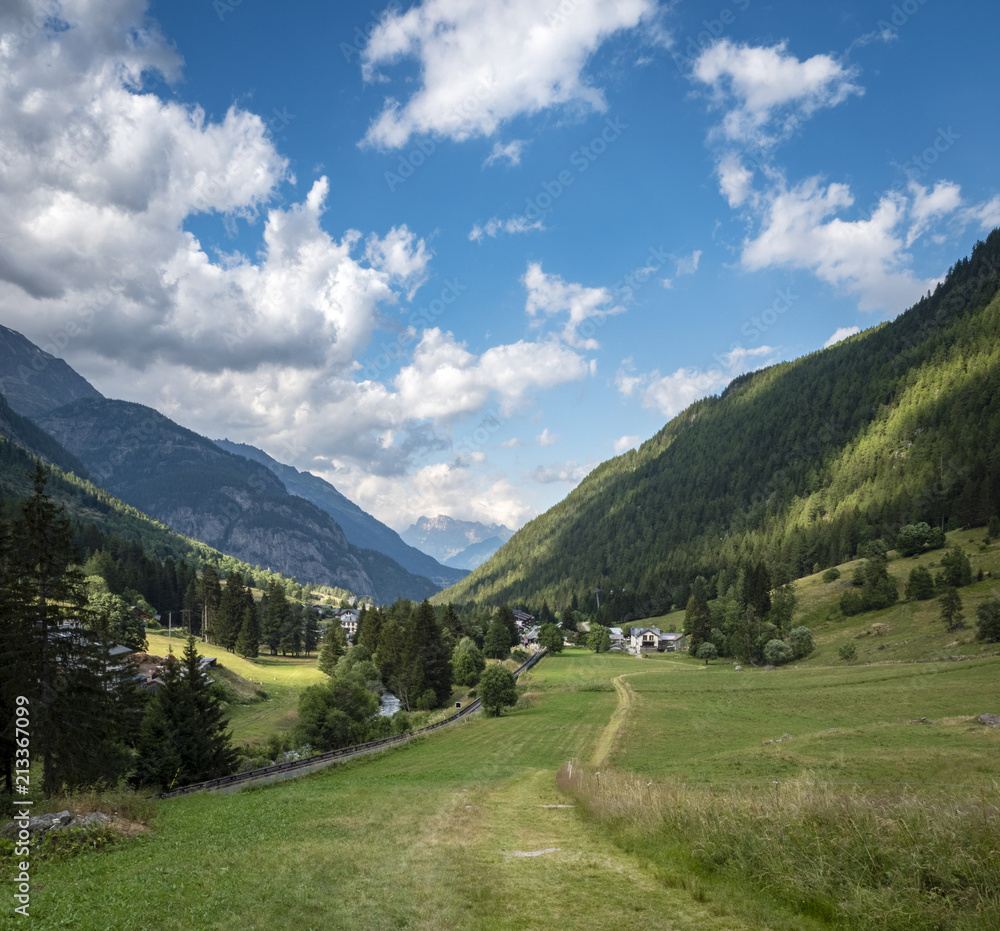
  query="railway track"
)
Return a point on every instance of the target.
[{"x": 280, "y": 771}]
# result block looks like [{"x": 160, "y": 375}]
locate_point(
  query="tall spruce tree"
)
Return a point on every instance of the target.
[
  {"x": 183, "y": 737},
  {"x": 248, "y": 642}
]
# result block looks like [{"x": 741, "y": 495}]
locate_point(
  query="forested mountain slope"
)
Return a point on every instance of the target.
[
  {"x": 360, "y": 528},
  {"x": 224, "y": 500},
  {"x": 795, "y": 464}
]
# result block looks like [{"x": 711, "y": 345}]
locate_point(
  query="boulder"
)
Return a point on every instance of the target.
[{"x": 990, "y": 720}]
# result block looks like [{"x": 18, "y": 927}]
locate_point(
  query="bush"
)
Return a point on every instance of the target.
[
  {"x": 848, "y": 652},
  {"x": 957, "y": 570},
  {"x": 777, "y": 652},
  {"x": 988, "y": 620},
  {"x": 851, "y": 604},
  {"x": 831, "y": 575},
  {"x": 801, "y": 641}
]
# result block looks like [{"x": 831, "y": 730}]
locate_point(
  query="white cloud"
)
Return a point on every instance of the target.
[
  {"x": 512, "y": 225},
  {"x": 768, "y": 92},
  {"x": 735, "y": 180},
  {"x": 551, "y": 296},
  {"x": 685, "y": 265},
  {"x": 946, "y": 197},
  {"x": 401, "y": 255},
  {"x": 986, "y": 215},
  {"x": 841, "y": 333},
  {"x": 570, "y": 473},
  {"x": 863, "y": 257},
  {"x": 511, "y": 152},
  {"x": 445, "y": 380},
  {"x": 484, "y": 63},
  {"x": 624, "y": 443},
  {"x": 670, "y": 394},
  {"x": 512, "y": 443},
  {"x": 547, "y": 439}
]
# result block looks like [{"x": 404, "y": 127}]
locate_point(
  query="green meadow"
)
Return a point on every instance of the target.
[{"x": 625, "y": 793}]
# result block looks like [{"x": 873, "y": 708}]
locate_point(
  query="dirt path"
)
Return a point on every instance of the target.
[{"x": 626, "y": 698}]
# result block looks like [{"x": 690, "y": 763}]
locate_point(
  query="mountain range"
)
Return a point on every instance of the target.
[
  {"x": 199, "y": 489},
  {"x": 460, "y": 543},
  {"x": 794, "y": 465}
]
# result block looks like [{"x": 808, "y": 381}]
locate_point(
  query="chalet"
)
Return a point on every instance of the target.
[
  {"x": 645, "y": 639},
  {"x": 349, "y": 621},
  {"x": 523, "y": 619}
]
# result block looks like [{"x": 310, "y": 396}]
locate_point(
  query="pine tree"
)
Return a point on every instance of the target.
[
  {"x": 310, "y": 631},
  {"x": 232, "y": 609},
  {"x": 276, "y": 613},
  {"x": 334, "y": 646},
  {"x": 248, "y": 642},
  {"x": 951, "y": 608},
  {"x": 183, "y": 737},
  {"x": 209, "y": 597}
]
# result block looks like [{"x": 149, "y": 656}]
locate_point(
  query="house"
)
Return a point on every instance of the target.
[
  {"x": 645, "y": 639},
  {"x": 617, "y": 638},
  {"x": 349, "y": 621},
  {"x": 522, "y": 618}
]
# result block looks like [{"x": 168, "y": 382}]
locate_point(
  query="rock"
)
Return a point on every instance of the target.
[
  {"x": 990, "y": 720},
  {"x": 921, "y": 721},
  {"x": 737, "y": 669},
  {"x": 768, "y": 668},
  {"x": 94, "y": 819},
  {"x": 38, "y": 826},
  {"x": 786, "y": 736}
]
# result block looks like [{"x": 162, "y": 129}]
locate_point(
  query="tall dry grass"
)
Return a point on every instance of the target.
[{"x": 864, "y": 857}]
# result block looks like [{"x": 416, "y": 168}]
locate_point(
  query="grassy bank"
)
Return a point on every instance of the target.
[{"x": 905, "y": 859}]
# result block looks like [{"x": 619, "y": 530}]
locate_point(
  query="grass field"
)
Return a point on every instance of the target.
[
  {"x": 282, "y": 677},
  {"x": 816, "y": 795}
]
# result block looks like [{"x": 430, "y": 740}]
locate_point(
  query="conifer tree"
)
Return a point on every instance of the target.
[
  {"x": 276, "y": 616},
  {"x": 183, "y": 737},
  {"x": 209, "y": 596},
  {"x": 248, "y": 642},
  {"x": 334, "y": 646}
]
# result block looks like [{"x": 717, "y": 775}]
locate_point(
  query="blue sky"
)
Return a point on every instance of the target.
[{"x": 452, "y": 255}]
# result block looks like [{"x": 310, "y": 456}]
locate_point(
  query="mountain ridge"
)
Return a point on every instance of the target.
[{"x": 795, "y": 464}]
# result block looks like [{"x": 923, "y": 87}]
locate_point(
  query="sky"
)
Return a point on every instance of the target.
[{"x": 451, "y": 255}]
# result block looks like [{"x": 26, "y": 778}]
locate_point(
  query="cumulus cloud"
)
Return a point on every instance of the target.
[
  {"x": 841, "y": 333},
  {"x": 550, "y": 296},
  {"x": 672, "y": 393},
  {"x": 766, "y": 91},
  {"x": 98, "y": 179},
  {"x": 985, "y": 215},
  {"x": 547, "y": 439},
  {"x": 624, "y": 443},
  {"x": 865, "y": 257},
  {"x": 484, "y": 63}
]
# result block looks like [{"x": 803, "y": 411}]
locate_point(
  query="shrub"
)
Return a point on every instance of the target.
[
  {"x": 988, "y": 620},
  {"x": 801, "y": 641},
  {"x": 777, "y": 652},
  {"x": 851, "y": 604},
  {"x": 831, "y": 575},
  {"x": 848, "y": 652}
]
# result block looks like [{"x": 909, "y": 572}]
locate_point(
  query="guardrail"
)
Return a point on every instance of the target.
[{"x": 307, "y": 764}]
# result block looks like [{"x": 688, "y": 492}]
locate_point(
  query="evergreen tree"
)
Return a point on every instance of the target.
[
  {"x": 248, "y": 642},
  {"x": 506, "y": 616},
  {"x": 310, "y": 631},
  {"x": 334, "y": 646},
  {"x": 232, "y": 610},
  {"x": 276, "y": 616},
  {"x": 183, "y": 737},
  {"x": 951, "y": 608},
  {"x": 957, "y": 569},
  {"x": 428, "y": 658},
  {"x": 209, "y": 597},
  {"x": 291, "y": 634},
  {"x": 697, "y": 623},
  {"x": 920, "y": 586}
]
